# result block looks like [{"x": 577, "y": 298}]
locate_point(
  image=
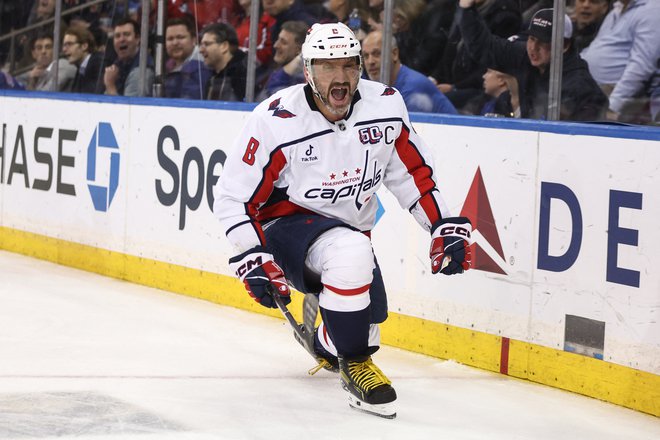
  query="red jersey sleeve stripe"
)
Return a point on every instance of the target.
[
  {"x": 430, "y": 207},
  {"x": 414, "y": 162},
  {"x": 270, "y": 175}
]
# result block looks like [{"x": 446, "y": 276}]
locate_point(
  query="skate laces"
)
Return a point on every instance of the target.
[
  {"x": 322, "y": 363},
  {"x": 366, "y": 375}
]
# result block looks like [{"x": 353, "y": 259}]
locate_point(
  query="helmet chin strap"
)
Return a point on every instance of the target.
[{"x": 310, "y": 78}]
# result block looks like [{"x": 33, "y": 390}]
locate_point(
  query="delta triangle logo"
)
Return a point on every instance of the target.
[{"x": 487, "y": 253}]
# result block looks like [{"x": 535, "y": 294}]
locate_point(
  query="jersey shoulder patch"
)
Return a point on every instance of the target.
[
  {"x": 278, "y": 110},
  {"x": 389, "y": 91}
]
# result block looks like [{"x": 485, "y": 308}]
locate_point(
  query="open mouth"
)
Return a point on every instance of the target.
[{"x": 339, "y": 93}]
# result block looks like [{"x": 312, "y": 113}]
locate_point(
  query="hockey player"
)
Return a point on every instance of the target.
[{"x": 297, "y": 201}]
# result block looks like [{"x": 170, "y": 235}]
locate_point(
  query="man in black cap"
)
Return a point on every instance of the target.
[{"x": 581, "y": 98}]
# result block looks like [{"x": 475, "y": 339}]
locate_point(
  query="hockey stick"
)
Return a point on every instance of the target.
[
  {"x": 297, "y": 330},
  {"x": 304, "y": 334}
]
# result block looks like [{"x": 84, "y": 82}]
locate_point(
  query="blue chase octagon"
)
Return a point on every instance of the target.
[{"x": 102, "y": 139}]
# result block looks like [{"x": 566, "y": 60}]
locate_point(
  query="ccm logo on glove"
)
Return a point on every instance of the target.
[
  {"x": 261, "y": 276},
  {"x": 248, "y": 266},
  {"x": 450, "y": 246},
  {"x": 456, "y": 230}
]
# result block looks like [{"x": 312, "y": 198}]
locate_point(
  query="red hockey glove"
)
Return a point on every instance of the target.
[
  {"x": 261, "y": 275},
  {"x": 450, "y": 245}
]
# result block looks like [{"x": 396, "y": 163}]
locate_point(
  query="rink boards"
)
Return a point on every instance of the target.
[{"x": 565, "y": 290}]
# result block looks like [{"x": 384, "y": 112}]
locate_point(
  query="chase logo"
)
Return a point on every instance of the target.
[{"x": 103, "y": 166}]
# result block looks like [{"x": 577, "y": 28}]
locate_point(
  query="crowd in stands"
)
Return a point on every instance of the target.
[{"x": 471, "y": 57}]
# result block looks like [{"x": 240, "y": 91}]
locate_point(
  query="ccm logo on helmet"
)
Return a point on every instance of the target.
[
  {"x": 248, "y": 266},
  {"x": 455, "y": 230},
  {"x": 338, "y": 46}
]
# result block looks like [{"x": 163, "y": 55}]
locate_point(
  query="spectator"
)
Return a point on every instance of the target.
[
  {"x": 421, "y": 33},
  {"x": 41, "y": 10},
  {"x": 207, "y": 12},
  {"x": 78, "y": 45},
  {"x": 41, "y": 49},
  {"x": 342, "y": 9},
  {"x": 460, "y": 75},
  {"x": 655, "y": 96},
  {"x": 219, "y": 47},
  {"x": 287, "y": 57},
  {"x": 502, "y": 102},
  {"x": 13, "y": 15},
  {"x": 623, "y": 57},
  {"x": 88, "y": 17},
  {"x": 419, "y": 93},
  {"x": 186, "y": 74},
  {"x": 42, "y": 75},
  {"x": 581, "y": 98},
  {"x": 123, "y": 76},
  {"x": 286, "y": 10},
  {"x": 7, "y": 82},
  {"x": 530, "y": 7},
  {"x": 264, "y": 40},
  {"x": 588, "y": 15},
  {"x": 318, "y": 10},
  {"x": 375, "y": 10},
  {"x": 353, "y": 13}
]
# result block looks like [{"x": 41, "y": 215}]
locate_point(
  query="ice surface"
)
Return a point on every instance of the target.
[{"x": 90, "y": 357}]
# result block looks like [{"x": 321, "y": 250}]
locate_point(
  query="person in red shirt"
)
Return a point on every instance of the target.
[{"x": 264, "y": 41}]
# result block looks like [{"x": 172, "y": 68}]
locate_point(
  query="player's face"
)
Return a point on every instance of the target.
[
  {"x": 336, "y": 81},
  {"x": 538, "y": 52}
]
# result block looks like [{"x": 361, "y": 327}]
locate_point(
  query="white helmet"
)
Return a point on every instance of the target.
[{"x": 329, "y": 41}]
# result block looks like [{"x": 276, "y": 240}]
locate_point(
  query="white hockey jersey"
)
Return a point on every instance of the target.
[{"x": 290, "y": 159}]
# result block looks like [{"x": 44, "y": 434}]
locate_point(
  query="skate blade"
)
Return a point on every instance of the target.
[{"x": 385, "y": 410}]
